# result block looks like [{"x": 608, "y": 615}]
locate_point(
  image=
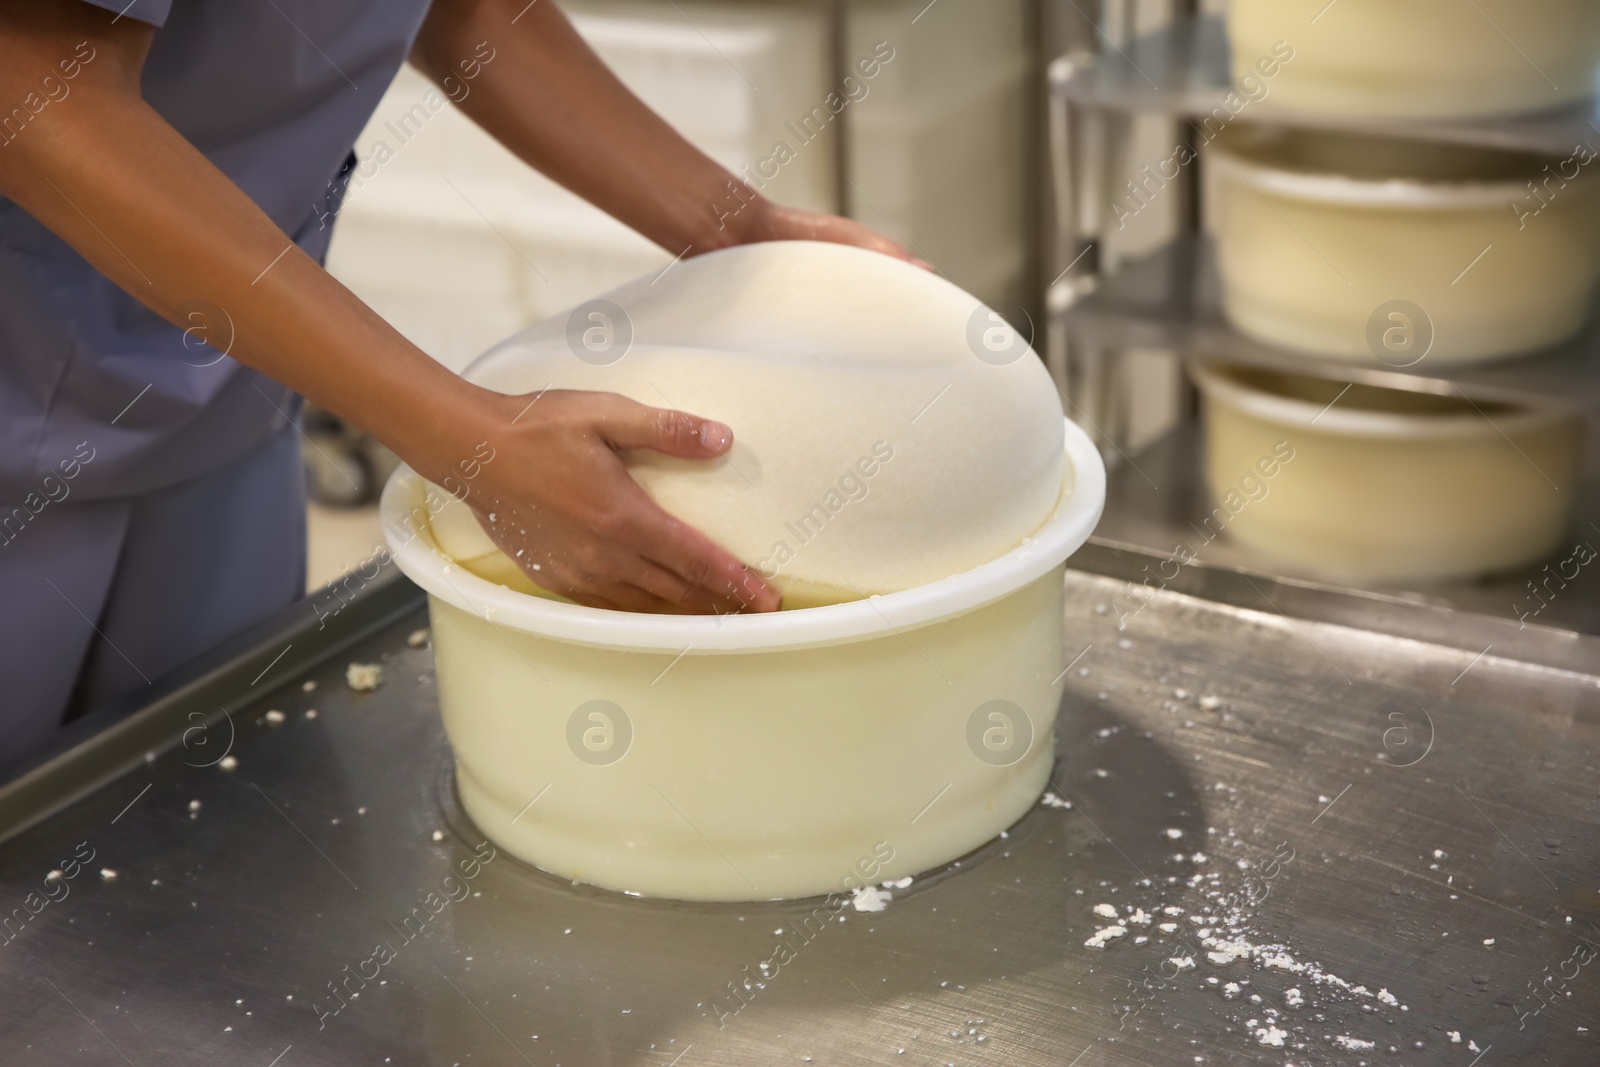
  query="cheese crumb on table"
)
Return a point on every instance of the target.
[
  {"x": 1100, "y": 937},
  {"x": 870, "y": 898},
  {"x": 418, "y": 638},
  {"x": 363, "y": 677},
  {"x": 1271, "y": 1035}
]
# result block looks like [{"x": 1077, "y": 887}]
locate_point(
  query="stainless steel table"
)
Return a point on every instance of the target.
[{"x": 1352, "y": 797}]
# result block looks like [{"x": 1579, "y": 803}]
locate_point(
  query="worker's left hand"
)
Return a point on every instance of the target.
[{"x": 776, "y": 222}]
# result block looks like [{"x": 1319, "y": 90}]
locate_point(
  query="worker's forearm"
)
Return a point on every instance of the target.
[
  {"x": 119, "y": 185},
  {"x": 549, "y": 98}
]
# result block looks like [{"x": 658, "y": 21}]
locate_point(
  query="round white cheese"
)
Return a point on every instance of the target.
[{"x": 889, "y": 429}]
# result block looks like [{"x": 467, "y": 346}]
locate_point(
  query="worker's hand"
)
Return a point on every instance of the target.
[
  {"x": 557, "y": 499},
  {"x": 769, "y": 221}
]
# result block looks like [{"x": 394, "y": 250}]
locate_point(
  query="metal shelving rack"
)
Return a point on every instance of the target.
[
  {"x": 1098, "y": 309},
  {"x": 1171, "y": 300}
]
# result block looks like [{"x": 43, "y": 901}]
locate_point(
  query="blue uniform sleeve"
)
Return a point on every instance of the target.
[{"x": 153, "y": 12}]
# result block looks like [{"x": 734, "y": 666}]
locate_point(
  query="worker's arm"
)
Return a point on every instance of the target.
[
  {"x": 547, "y": 97},
  {"x": 107, "y": 174}
]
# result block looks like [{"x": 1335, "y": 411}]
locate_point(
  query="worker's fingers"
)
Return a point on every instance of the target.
[
  {"x": 704, "y": 567},
  {"x": 673, "y": 595},
  {"x": 862, "y": 237},
  {"x": 683, "y": 566},
  {"x": 626, "y": 424},
  {"x": 780, "y": 223},
  {"x": 640, "y": 599},
  {"x": 632, "y": 584},
  {"x": 654, "y": 590},
  {"x": 579, "y": 587},
  {"x": 714, "y": 578},
  {"x": 614, "y": 596},
  {"x": 610, "y": 571}
]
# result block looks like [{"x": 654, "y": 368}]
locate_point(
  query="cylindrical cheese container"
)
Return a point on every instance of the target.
[
  {"x": 752, "y": 757},
  {"x": 1369, "y": 484},
  {"x": 1421, "y": 58},
  {"x": 1380, "y": 251}
]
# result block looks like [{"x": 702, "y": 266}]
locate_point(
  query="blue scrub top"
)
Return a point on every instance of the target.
[{"x": 274, "y": 93}]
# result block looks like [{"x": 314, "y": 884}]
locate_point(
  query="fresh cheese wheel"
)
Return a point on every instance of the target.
[{"x": 889, "y": 430}]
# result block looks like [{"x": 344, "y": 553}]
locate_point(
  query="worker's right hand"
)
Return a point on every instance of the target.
[{"x": 559, "y": 501}]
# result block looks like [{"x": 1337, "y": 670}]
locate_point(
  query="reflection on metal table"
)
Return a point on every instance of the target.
[{"x": 1298, "y": 840}]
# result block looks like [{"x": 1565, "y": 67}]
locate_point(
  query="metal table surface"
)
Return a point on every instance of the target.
[{"x": 1347, "y": 808}]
